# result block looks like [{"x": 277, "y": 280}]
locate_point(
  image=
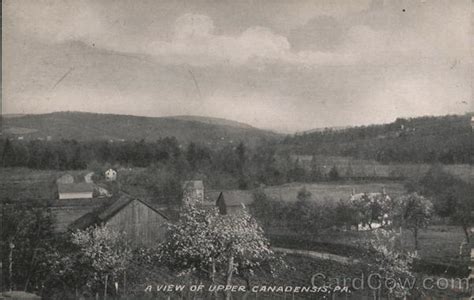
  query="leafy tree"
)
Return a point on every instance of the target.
[
  {"x": 241, "y": 152},
  {"x": 204, "y": 241},
  {"x": 452, "y": 197},
  {"x": 8, "y": 154},
  {"x": 27, "y": 231},
  {"x": 105, "y": 250},
  {"x": 390, "y": 261},
  {"x": 196, "y": 155},
  {"x": 302, "y": 214},
  {"x": 414, "y": 212},
  {"x": 333, "y": 174},
  {"x": 243, "y": 245},
  {"x": 315, "y": 173},
  {"x": 297, "y": 173},
  {"x": 345, "y": 214},
  {"x": 463, "y": 214}
]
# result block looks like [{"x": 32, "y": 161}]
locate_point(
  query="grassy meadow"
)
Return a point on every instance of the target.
[{"x": 333, "y": 191}]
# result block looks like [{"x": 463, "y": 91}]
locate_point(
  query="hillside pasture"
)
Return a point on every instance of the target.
[
  {"x": 359, "y": 168},
  {"x": 333, "y": 192}
]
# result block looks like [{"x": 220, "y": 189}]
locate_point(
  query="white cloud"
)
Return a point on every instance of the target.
[{"x": 196, "y": 41}]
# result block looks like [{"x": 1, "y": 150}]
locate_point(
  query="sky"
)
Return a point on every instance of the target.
[{"x": 274, "y": 64}]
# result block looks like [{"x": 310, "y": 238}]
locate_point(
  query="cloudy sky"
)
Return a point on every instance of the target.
[{"x": 277, "y": 64}]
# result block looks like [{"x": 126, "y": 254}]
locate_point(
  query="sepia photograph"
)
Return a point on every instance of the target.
[{"x": 237, "y": 150}]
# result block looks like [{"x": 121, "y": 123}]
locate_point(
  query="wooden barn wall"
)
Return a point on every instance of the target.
[
  {"x": 64, "y": 216},
  {"x": 66, "y": 211},
  {"x": 141, "y": 224}
]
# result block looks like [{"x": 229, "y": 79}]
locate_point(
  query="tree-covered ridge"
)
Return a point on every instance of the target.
[
  {"x": 447, "y": 139},
  {"x": 83, "y": 126}
]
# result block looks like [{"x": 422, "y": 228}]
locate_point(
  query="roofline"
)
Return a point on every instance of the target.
[{"x": 138, "y": 199}]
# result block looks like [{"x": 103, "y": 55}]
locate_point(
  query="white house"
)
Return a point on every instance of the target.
[{"x": 110, "y": 175}]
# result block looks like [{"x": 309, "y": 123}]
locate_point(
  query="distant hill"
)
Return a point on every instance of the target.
[
  {"x": 446, "y": 139},
  {"x": 213, "y": 121},
  {"x": 91, "y": 126}
]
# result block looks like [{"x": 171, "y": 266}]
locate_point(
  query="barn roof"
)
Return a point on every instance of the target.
[
  {"x": 232, "y": 197},
  {"x": 107, "y": 212},
  {"x": 80, "y": 187}
]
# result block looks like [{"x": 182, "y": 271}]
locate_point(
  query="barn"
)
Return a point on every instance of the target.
[{"x": 141, "y": 223}]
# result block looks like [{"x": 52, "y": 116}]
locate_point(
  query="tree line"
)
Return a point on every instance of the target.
[{"x": 233, "y": 166}]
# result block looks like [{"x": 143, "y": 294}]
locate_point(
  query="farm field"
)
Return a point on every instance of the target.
[
  {"x": 333, "y": 191},
  {"x": 359, "y": 168},
  {"x": 439, "y": 244},
  {"x": 19, "y": 184}
]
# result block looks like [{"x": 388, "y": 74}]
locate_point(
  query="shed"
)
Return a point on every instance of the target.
[
  {"x": 141, "y": 223},
  {"x": 231, "y": 202},
  {"x": 80, "y": 190}
]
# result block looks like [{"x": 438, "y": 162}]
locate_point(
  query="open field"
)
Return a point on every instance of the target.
[
  {"x": 333, "y": 191},
  {"x": 22, "y": 184},
  {"x": 439, "y": 245},
  {"x": 359, "y": 168},
  {"x": 17, "y": 184}
]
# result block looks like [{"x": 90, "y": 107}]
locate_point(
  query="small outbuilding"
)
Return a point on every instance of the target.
[
  {"x": 80, "y": 190},
  {"x": 231, "y": 202}
]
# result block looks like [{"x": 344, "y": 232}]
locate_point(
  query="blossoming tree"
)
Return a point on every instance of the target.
[{"x": 204, "y": 240}]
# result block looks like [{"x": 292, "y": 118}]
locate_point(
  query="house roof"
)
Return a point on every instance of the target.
[
  {"x": 80, "y": 187},
  {"x": 232, "y": 197},
  {"x": 210, "y": 197}
]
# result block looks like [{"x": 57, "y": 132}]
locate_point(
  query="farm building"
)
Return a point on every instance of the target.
[
  {"x": 110, "y": 175},
  {"x": 193, "y": 190},
  {"x": 67, "y": 211},
  {"x": 80, "y": 190},
  {"x": 230, "y": 202},
  {"x": 141, "y": 223}
]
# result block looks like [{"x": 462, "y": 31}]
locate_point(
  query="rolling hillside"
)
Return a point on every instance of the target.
[
  {"x": 90, "y": 126},
  {"x": 447, "y": 139}
]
